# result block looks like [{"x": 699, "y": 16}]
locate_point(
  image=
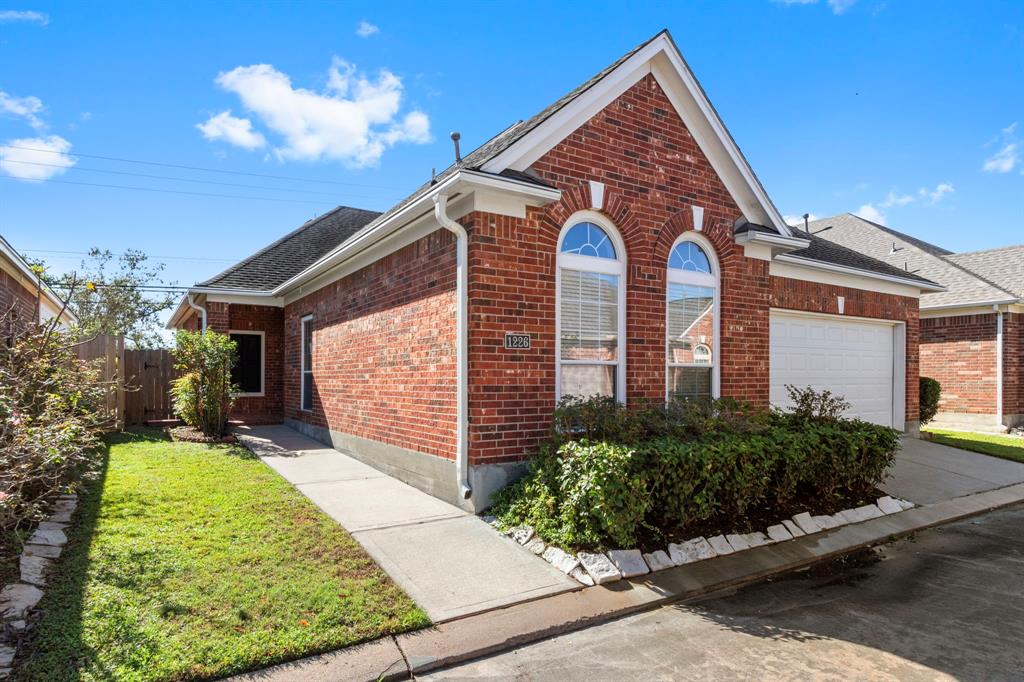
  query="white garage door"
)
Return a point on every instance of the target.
[{"x": 851, "y": 358}]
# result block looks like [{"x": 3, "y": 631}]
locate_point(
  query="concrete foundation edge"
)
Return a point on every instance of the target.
[{"x": 433, "y": 475}]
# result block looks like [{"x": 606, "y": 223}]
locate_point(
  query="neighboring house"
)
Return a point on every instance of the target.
[
  {"x": 615, "y": 243},
  {"x": 972, "y": 334},
  {"x": 22, "y": 293}
]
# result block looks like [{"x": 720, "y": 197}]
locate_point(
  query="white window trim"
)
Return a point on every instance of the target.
[
  {"x": 306, "y": 319},
  {"x": 571, "y": 261},
  {"x": 676, "y": 276},
  {"x": 263, "y": 362}
]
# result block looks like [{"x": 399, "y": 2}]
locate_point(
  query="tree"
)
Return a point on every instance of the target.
[{"x": 113, "y": 299}]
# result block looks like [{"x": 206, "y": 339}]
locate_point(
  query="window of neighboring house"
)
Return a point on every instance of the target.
[
  {"x": 692, "y": 320},
  {"x": 591, "y": 319},
  {"x": 307, "y": 363},
  {"x": 247, "y": 374}
]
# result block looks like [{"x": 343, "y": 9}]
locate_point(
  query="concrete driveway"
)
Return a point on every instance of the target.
[
  {"x": 948, "y": 604},
  {"x": 927, "y": 472}
]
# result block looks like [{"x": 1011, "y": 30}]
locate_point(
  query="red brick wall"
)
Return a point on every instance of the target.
[
  {"x": 960, "y": 353},
  {"x": 383, "y": 350},
  {"x": 15, "y": 297},
  {"x": 1013, "y": 364},
  {"x": 794, "y": 294},
  {"x": 224, "y": 317},
  {"x": 653, "y": 172}
]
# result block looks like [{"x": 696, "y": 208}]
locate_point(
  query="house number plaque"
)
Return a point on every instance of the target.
[{"x": 517, "y": 341}]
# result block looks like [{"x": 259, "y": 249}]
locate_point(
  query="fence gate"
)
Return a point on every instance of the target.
[
  {"x": 108, "y": 354},
  {"x": 148, "y": 376}
]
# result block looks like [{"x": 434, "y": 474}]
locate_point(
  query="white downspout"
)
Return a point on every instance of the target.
[
  {"x": 200, "y": 309},
  {"x": 999, "y": 365},
  {"x": 462, "y": 342}
]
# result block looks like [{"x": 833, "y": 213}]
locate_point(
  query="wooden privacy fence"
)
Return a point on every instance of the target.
[
  {"x": 148, "y": 375},
  {"x": 108, "y": 352}
]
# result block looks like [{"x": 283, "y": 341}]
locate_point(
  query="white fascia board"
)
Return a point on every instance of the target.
[
  {"x": 767, "y": 246},
  {"x": 970, "y": 308},
  {"x": 661, "y": 58},
  {"x": 17, "y": 266},
  {"x": 245, "y": 299},
  {"x": 462, "y": 181},
  {"x": 179, "y": 313},
  {"x": 778, "y": 268},
  {"x": 832, "y": 267}
]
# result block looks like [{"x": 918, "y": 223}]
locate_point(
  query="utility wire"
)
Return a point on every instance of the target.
[
  {"x": 86, "y": 253},
  {"x": 196, "y": 168},
  {"x": 170, "y": 177},
  {"x": 182, "y": 191}
]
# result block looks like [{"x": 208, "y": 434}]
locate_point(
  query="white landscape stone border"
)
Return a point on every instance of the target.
[
  {"x": 595, "y": 568},
  {"x": 18, "y": 599}
]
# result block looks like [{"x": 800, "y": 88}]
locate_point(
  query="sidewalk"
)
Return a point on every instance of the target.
[{"x": 449, "y": 561}]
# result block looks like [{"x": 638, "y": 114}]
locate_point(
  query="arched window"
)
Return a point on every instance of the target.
[
  {"x": 591, "y": 308},
  {"x": 692, "y": 320}
]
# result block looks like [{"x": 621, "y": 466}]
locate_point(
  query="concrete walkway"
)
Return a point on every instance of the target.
[
  {"x": 927, "y": 472},
  {"x": 449, "y": 561}
]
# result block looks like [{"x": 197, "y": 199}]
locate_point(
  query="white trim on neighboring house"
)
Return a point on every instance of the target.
[
  {"x": 618, "y": 267},
  {"x": 12, "y": 263},
  {"x": 661, "y": 58},
  {"x": 712, "y": 281},
  {"x": 303, "y": 322},
  {"x": 263, "y": 361}
]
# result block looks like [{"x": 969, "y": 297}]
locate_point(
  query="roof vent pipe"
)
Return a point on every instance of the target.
[{"x": 456, "y": 136}]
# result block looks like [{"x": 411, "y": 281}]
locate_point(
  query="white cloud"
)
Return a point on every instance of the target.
[
  {"x": 1008, "y": 155},
  {"x": 1004, "y": 160},
  {"x": 365, "y": 29},
  {"x": 27, "y": 108},
  {"x": 36, "y": 158},
  {"x": 894, "y": 199},
  {"x": 9, "y": 16},
  {"x": 840, "y": 6},
  {"x": 798, "y": 220},
  {"x": 354, "y": 120},
  {"x": 869, "y": 212},
  {"x": 941, "y": 190},
  {"x": 236, "y": 131}
]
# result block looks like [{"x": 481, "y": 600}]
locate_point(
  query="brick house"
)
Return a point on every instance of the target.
[
  {"x": 21, "y": 293},
  {"x": 972, "y": 334},
  {"x": 615, "y": 243}
]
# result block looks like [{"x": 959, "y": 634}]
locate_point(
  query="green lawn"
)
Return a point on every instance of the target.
[
  {"x": 1007, "y": 447},
  {"x": 195, "y": 561}
]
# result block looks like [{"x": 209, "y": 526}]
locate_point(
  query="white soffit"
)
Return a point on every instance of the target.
[{"x": 660, "y": 58}]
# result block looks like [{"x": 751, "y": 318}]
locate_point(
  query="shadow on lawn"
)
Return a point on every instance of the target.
[{"x": 59, "y": 627}]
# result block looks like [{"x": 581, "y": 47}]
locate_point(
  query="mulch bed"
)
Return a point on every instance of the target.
[
  {"x": 756, "y": 519},
  {"x": 188, "y": 434}
]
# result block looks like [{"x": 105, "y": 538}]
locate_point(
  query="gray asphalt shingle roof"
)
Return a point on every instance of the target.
[
  {"x": 909, "y": 254},
  {"x": 1003, "y": 267},
  {"x": 277, "y": 263}
]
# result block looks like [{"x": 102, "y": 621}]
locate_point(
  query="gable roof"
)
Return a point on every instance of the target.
[
  {"x": 1003, "y": 267},
  {"x": 913, "y": 256},
  {"x": 18, "y": 263},
  {"x": 292, "y": 253}
]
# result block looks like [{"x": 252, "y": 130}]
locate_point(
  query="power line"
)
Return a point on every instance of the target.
[
  {"x": 180, "y": 191},
  {"x": 185, "y": 258},
  {"x": 197, "y": 168},
  {"x": 170, "y": 177}
]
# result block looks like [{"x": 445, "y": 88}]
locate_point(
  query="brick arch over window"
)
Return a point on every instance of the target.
[{"x": 615, "y": 208}]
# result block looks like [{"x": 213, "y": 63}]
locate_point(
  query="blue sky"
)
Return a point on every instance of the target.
[{"x": 903, "y": 111}]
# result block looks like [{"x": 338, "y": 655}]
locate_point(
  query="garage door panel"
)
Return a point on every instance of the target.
[{"x": 851, "y": 358}]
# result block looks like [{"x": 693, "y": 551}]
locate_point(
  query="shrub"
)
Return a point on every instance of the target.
[
  {"x": 203, "y": 394},
  {"x": 931, "y": 391},
  {"x": 811, "y": 404},
  {"x": 50, "y": 419},
  {"x": 689, "y": 465}
]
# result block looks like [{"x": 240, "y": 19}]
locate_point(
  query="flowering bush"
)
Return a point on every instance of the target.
[{"x": 50, "y": 418}]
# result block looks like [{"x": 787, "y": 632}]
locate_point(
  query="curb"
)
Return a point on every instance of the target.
[{"x": 501, "y": 629}]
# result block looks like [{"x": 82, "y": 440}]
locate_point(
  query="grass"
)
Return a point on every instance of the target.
[
  {"x": 191, "y": 561},
  {"x": 1007, "y": 447}
]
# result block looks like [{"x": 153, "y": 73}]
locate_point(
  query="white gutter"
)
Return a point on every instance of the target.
[
  {"x": 780, "y": 241},
  {"x": 832, "y": 267},
  {"x": 369, "y": 235},
  {"x": 200, "y": 309},
  {"x": 462, "y": 342},
  {"x": 971, "y": 304},
  {"x": 999, "y": 364}
]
